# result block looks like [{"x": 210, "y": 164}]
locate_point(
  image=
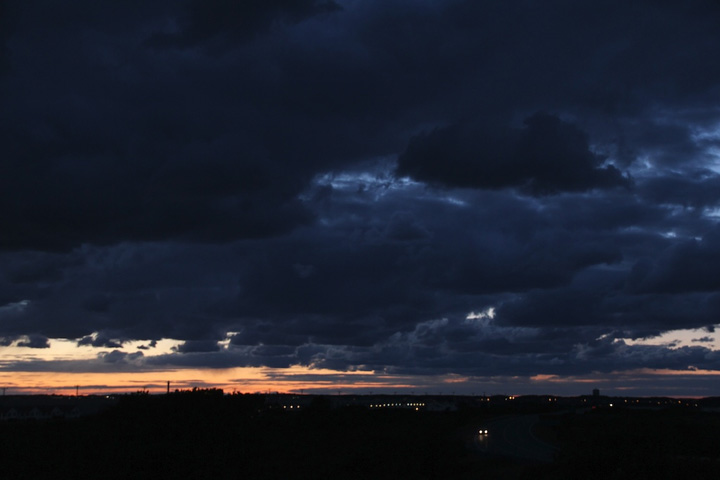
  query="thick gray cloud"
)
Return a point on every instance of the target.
[
  {"x": 684, "y": 267},
  {"x": 547, "y": 156},
  {"x": 29, "y": 341},
  {"x": 100, "y": 340},
  {"x": 341, "y": 184},
  {"x": 223, "y": 21},
  {"x": 198, "y": 346}
]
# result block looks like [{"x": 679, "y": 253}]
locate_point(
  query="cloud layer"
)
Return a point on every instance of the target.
[{"x": 350, "y": 185}]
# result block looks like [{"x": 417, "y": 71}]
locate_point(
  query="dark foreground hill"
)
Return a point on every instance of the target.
[{"x": 207, "y": 435}]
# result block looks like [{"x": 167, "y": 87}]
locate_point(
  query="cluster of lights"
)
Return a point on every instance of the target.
[
  {"x": 385, "y": 405},
  {"x": 291, "y": 406}
]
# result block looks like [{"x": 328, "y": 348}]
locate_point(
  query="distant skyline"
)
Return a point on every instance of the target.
[{"x": 379, "y": 195}]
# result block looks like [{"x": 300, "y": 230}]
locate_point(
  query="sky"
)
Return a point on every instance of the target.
[{"x": 334, "y": 196}]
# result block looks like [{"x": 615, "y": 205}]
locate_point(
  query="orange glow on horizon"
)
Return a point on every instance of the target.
[
  {"x": 640, "y": 372},
  {"x": 649, "y": 371},
  {"x": 298, "y": 379},
  {"x": 241, "y": 379}
]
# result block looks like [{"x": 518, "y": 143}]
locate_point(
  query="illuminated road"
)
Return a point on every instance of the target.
[{"x": 513, "y": 436}]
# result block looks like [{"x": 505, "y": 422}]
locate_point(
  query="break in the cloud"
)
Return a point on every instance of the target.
[{"x": 419, "y": 189}]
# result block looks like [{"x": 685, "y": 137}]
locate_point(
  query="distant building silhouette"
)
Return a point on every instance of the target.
[{"x": 596, "y": 392}]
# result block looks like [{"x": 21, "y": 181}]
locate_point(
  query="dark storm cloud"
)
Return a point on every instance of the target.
[
  {"x": 260, "y": 356},
  {"x": 686, "y": 266},
  {"x": 152, "y": 344},
  {"x": 120, "y": 358},
  {"x": 703, "y": 339},
  {"x": 190, "y": 146},
  {"x": 107, "y": 152},
  {"x": 100, "y": 340},
  {"x": 223, "y": 21},
  {"x": 358, "y": 185},
  {"x": 4, "y": 35},
  {"x": 547, "y": 156},
  {"x": 691, "y": 189},
  {"x": 638, "y": 315},
  {"x": 33, "y": 268},
  {"x": 29, "y": 341},
  {"x": 34, "y": 341},
  {"x": 198, "y": 346}
]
